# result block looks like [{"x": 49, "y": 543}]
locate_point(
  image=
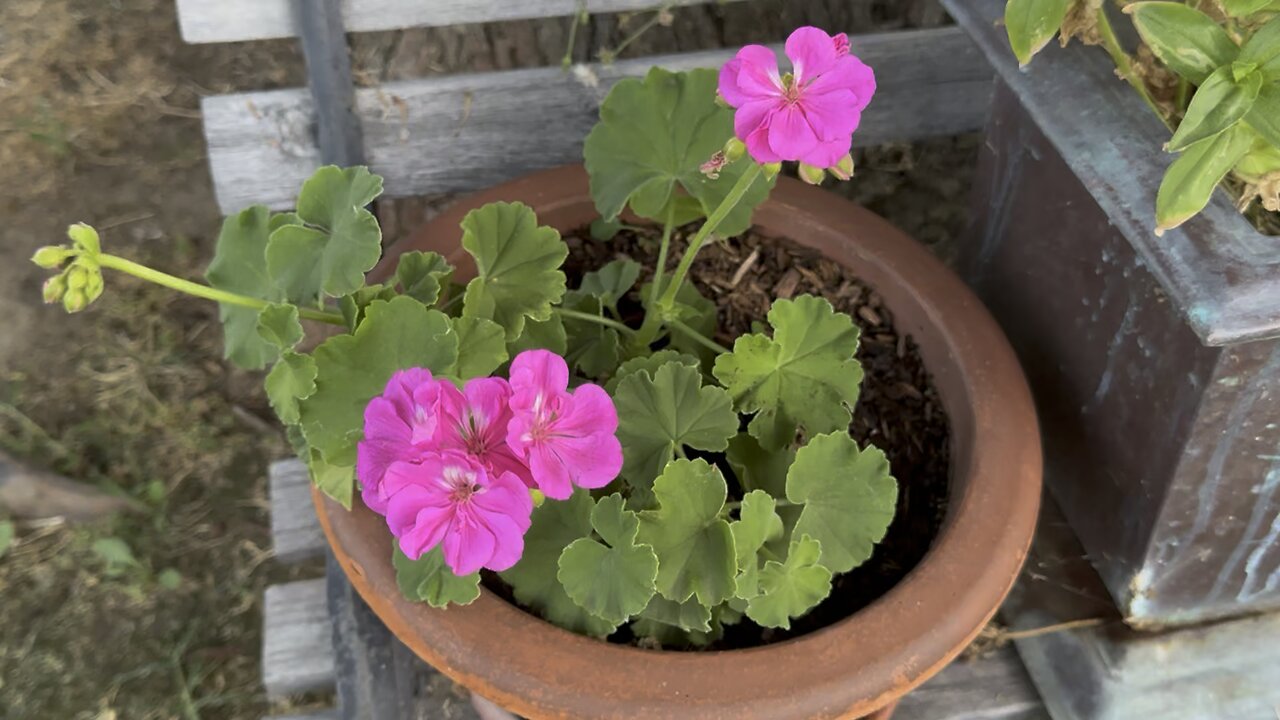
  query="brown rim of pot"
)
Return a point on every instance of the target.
[{"x": 845, "y": 670}]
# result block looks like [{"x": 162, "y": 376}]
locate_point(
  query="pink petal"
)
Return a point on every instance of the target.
[
  {"x": 506, "y": 495},
  {"x": 790, "y": 135},
  {"x": 832, "y": 115},
  {"x": 590, "y": 411},
  {"x": 487, "y": 402},
  {"x": 812, "y": 52},
  {"x": 549, "y": 472},
  {"x": 758, "y": 146},
  {"x": 373, "y": 457},
  {"x": 502, "y": 459},
  {"x": 752, "y": 74},
  {"x": 536, "y": 376},
  {"x": 399, "y": 389},
  {"x": 848, "y": 73},
  {"x": 827, "y": 154},
  {"x": 419, "y": 518},
  {"x": 468, "y": 545},
  {"x": 754, "y": 114},
  {"x": 592, "y": 461}
]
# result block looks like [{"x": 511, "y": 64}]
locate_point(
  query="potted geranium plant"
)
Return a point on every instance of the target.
[{"x": 595, "y": 455}]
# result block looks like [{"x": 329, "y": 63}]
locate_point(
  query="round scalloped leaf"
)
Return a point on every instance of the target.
[
  {"x": 422, "y": 275},
  {"x": 239, "y": 266},
  {"x": 482, "y": 347},
  {"x": 758, "y": 523},
  {"x": 334, "y": 480},
  {"x": 757, "y": 468},
  {"x": 693, "y": 542},
  {"x": 611, "y": 281},
  {"x": 278, "y": 325},
  {"x": 428, "y": 579},
  {"x": 849, "y": 498},
  {"x": 614, "y": 579},
  {"x": 292, "y": 378},
  {"x": 648, "y": 364},
  {"x": 791, "y": 589}
]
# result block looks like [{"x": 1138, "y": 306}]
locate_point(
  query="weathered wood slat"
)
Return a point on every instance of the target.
[
  {"x": 993, "y": 687},
  {"x": 295, "y": 531},
  {"x": 464, "y": 132},
  {"x": 321, "y": 715},
  {"x": 208, "y": 21},
  {"x": 297, "y": 647},
  {"x": 324, "y": 45}
]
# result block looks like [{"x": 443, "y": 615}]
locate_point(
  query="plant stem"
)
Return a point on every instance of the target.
[
  {"x": 1124, "y": 64},
  {"x": 655, "y": 290},
  {"x": 588, "y": 317},
  {"x": 204, "y": 291},
  {"x": 567, "y": 60},
  {"x": 698, "y": 337},
  {"x": 646, "y": 27}
]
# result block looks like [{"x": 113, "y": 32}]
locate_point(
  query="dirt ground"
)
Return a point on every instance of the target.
[{"x": 99, "y": 123}]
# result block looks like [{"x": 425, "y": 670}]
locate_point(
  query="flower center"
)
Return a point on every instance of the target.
[
  {"x": 462, "y": 484},
  {"x": 790, "y": 89}
]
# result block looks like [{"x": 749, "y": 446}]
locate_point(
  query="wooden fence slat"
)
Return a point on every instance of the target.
[
  {"x": 295, "y": 531},
  {"x": 210, "y": 21},
  {"x": 297, "y": 648},
  {"x": 465, "y": 132}
]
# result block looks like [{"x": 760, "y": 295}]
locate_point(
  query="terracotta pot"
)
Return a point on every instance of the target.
[{"x": 857, "y": 666}]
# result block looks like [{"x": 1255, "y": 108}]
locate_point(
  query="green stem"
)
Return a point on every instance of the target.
[
  {"x": 646, "y": 27},
  {"x": 588, "y": 317},
  {"x": 204, "y": 291},
  {"x": 698, "y": 337},
  {"x": 663, "y": 247},
  {"x": 567, "y": 60},
  {"x": 1124, "y": 64}
]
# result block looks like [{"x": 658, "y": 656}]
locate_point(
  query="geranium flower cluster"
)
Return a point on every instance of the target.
[{"x": 455, "y": 467}]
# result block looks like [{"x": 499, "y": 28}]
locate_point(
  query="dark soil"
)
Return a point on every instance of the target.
[{"x": 899, "y": 410}]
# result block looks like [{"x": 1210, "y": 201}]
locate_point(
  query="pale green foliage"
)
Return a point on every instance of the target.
[
  {"x": 1192, "y": 178},
  {"x": 1031, "y": 24},
  {"x": 291, "y": 379},
  {"x": 1224, "y": 98},
  {"x": 693, "y": 542},
  {"x": 1191, "y": 43},
  {"x": 652, "y": 137},
  {"x": 589, "y": 346},
  {"x": 611, "y": 578},
  {"x": 422, "y": 275},
  {"x": 611, "y": 281},
  {"x": 428, "y": 579},
  {"x": 848, "y": 497},
  {"x": 757, "y": 468},
  {"x": 336, "y": 481},
  {"x": 759, "y": 523},
  {"x": 6, "y": 536},
  {"x": 803, "y": 377},
  {"x": 540, "y": 335},
  {"x": 336, "y": 240},
  {"x": 661, "y": 413},
  {"x": 239, "y": 266},
  {"x": 278, "y": 325},
  {"x": 790, "y": 589},
  {"x": 482, "y": 347},
  {"x": 649, "y": 364},
  {"x": 517, "y": 263}
]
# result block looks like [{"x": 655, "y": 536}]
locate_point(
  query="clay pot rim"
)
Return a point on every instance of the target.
[{"x": 846, "y": 669}]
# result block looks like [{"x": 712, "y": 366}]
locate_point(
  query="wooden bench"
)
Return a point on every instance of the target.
[{"x": 454, "y": 133}]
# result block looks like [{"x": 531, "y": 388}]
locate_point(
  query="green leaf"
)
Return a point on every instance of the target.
[
  {"x": 789, "y": 590},
  {"x": 848, "y": 495},
  {"x": 293, "y": 378},
  {"x": 805, "y": 376},
  {"x": 604, "y": 230},
  {"x": 482, "y": 347},
  {"x": 1191, "y": 179},
  {"x": 1264, "y": 116},
  {"x": 698, "y": 313},
  {"x": 278, "y": 324},
  {"x": 591, "y": 347},
  {"x": 1263, "y": 50},
  {"x": 517, "y": 265},
  {"x": 338, "y": 242},
  {"x": 612, "y": 580},
  {"x": 6, "y": 536},
  {"x": 690, "y": 616},
  {"x": 661, "y": 414},
  {"x": 353, "y": 305},
  {"x": 653, "y": 136},
  {"x": 1189, "y": 42},
  {"x": 1244, "y": 8},
  {"x": 533, "y": 580},
  {"x": 1031, "y": 24},
  {"x": 428, "y": 579},
  {"x": 757, "y": 468},
  {"x": 540, "y": 335},
  {"x": 758, "y": 523},
  {"x": 336, "y": 481},
  {"x": 1261, "y": 160},
  {"x": 422, "y": 275},
  {"x": 351, "y": 369},
  {"x": 169, "y": 579},
  {"x": 1218, "y": 104},
  {"x": 693, "y": 542},
  {"x": 649, "y": 364},
  {"x": 116, "y": 554},
  {"x": 238, "y": 266},
  {"x": 612, "y": 281}
]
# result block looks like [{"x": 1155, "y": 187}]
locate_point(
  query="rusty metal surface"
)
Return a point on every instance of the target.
[
  {"x": 1164, "y": 453},
  {"x": 845, "y": 670},
  {"x": 1220, "y": 273}
]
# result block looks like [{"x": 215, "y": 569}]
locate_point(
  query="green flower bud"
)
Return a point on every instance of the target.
[
  {"x": 77, "y": 277},
  {"x": 842, "y": 170},
  {"x": 75, "y": 301},
  {"x": 93, "y": 289},
  {"x": 771, "y": 169},
  {"x": 734, "y": 149},
  {"x": 51, "y": 256},
  {"x": 54, "y": 288},
  {"x": 85, "y": 238},
  {"x": 812, "y": 175},
  {"x": 720, "y": 101}
]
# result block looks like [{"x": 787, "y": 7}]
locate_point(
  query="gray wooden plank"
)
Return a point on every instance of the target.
[
  {"x": 321, "y": 715},
  {"x": 208, "y": 21},
  {"x": 464, "y": 132},
  {"x": 991, "y": 687},
  {"x": 295, "y": 530},
  {"x": 297, "y": 652},
  {"x": 1220, "y": 272},
  {"x": 324, "y": 45}
]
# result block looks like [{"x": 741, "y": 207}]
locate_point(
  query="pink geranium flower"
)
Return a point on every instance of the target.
[
  {"x": 474, "y": 421},
  {"x": 399, "y": 425},
  {"x": 807, "y": 115},
  {"x": 567, "y": 438},
  {"x": 450, "y": 499}
]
